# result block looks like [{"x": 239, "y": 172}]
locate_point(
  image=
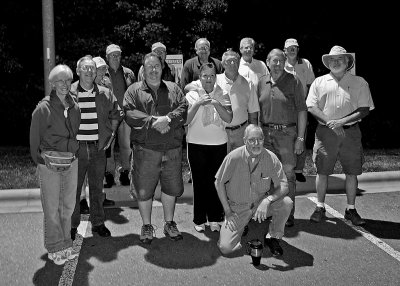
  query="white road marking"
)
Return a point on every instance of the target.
[
  {"x": 67, "y": 276},
  {"x": 382, "y": 245}
]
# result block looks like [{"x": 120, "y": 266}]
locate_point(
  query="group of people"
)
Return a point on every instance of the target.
[{"x": 244, "y": 122}]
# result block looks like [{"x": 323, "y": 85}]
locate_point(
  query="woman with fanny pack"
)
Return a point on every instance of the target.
[{"x": 53, "y": 144}]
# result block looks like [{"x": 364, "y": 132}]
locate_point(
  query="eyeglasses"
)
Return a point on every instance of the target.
[
  {"x": 115, "y": 56},
  {"x": 206, "y": 76},
  {"x": 160, "y": 52},
  {"x": 291, "y": 49},
  {"x": 86, "y": 68},
  {"x": 255, "y": 140},
  {"x": 203, "y": 48}
]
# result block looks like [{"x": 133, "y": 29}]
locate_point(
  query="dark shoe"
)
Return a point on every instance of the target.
[
  {"x": 146, "y": 236},
  {"x": 290, "y": 221},
  {"x": 109, "y": 180},
  {"x": 84, "y": 207},
  {"x": 101, "y": 230},
  {"x": 300, "y": 177},
  {"x": 171, "y": 230},
  {"x": 245, "y": 230},
  {"x": 318, "y": 214},
  {"x": 108, "y": 203},
  {"x": 273, "y": 245},
  {"x": 74, "y": 230},
  {"x": 124, "y": 178},
  {"x": 354, "y": 217}
]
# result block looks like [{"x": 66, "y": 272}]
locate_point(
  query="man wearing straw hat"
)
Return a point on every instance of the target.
[{"x": 338, "y": 100}]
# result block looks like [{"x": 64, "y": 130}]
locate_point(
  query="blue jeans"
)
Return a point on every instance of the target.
[
  {"x": 281, "y": 142},
  {"x": 93, "y": 162},
  {"x": 57, "y": 193}
]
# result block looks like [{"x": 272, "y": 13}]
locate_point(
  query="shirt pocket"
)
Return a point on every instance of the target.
[{"x": 263, "y": 185}]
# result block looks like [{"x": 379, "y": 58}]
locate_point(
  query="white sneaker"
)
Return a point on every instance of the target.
[
  {"x": 214, "y": 226},
  {"x": 70, "y": 253},
  {"x": 58, "y": 257},
  {"x": 200, "y": 227}
]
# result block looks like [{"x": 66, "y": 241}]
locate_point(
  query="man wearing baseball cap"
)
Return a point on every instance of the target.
[
  {"x": 121, "y": 78},
  {"x": 301, "y": 68},
  {"x": 168, "y": 71},
  {"x": 338, "y": 100}
]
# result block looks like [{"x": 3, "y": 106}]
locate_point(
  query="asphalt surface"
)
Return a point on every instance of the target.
[{"x": 332, "y": 252}]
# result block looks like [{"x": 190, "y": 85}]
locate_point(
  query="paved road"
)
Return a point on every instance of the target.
[{"x": 330, "y": 253}]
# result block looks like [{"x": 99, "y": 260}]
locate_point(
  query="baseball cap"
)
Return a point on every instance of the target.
[
  {"x": 99, "y": 62},
  {"x": 291, "y": 42},
  {"x": 113, "y": 48},
  {"x": 158, "y": 45}
]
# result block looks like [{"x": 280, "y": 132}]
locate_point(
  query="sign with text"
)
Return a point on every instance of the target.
[{"x": 177, "y": 62}]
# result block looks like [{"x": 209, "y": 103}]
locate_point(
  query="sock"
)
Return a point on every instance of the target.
[
  {"x": 321, "y": 205},
  {"x": 267, "y": 235},
  {"x": 351, "y": 207}
]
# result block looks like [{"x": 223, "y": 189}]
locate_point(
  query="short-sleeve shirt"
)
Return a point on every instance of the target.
[
  {"x": 243, "y": 99},
  {"x": 206, "y": 127},
  {"x": 337, "y": 99},
  {"x": 246, "y": 183},
  {"x": 303, "y": 70},
  {"x": 280, "y": 102}
]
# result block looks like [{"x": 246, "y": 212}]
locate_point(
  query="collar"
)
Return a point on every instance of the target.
[
  {"x": 243, "y": 62},
  {"x": 143, "y": 85},
  {"x": 81, "y": 89}
]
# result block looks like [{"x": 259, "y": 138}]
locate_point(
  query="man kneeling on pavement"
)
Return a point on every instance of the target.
[{"x": 252, "y": 184}]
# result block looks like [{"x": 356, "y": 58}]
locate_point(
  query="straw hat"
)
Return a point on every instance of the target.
[{"x": 335, "y": 51}]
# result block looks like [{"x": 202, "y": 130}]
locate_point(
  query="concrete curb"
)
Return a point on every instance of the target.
[{"x": 28, "y": 200}]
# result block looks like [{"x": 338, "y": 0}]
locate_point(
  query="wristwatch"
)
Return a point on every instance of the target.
[
  {"x": 300, "y": 139},
  {"x": 168, "y": 119}
]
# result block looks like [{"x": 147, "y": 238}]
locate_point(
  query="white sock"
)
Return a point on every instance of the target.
[
  {"x": 351, "y": 207},
  {"x": 321, "y": 205}
]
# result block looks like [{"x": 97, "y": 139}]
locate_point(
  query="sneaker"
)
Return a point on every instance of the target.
[
  {"x": 318, "y": 214},
  {"x": 108, "y": 203},
  {"x": 70, "y": 253},
  {"x": 273, "y": 245},
  {"x": 200, "y": 227},
  {"x": 124, "y": 178},
  {"x": 146, "y": 236},
  {"x": 290, "y": 221},
  {"x": 58, "y": 257},
  {"x": 214, "y": 226},
  {"x": 354, "y": 217},
  {"x": 101, "y": 230},
  {"x": 84, "y": 208},
  {"x": 109, "y": 180},
  {"x": 300, "y": 177},
  {"x": 171, "y": 230}
]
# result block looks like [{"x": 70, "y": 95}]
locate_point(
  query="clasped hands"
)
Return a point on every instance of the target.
[
  {"x": 336, "y": 126},
  {"x": 161, "y": 124}
]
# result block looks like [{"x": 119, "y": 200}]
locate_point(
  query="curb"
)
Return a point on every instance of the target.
[{"x": 28, "y": 200}]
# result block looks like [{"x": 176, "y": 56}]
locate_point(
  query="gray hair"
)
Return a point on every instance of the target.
[
  {"x": 201, "y": 39},
  {"x": 246, "y": 40},
  {"x": 276, "y": 52},
  {"x": 251, "y": 127},
  {"x": 149, "y": 55},
  {"x": 228, "y": 53},
  {"x": 58, "y": 70}
]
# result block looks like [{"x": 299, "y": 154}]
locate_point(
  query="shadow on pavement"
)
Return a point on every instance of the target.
[
  {"x": 330, "y": 227},
  {"x": 49, "y": 274},
  {"x": 114, "y": 215},
  {"x": 383, "y": 229}
]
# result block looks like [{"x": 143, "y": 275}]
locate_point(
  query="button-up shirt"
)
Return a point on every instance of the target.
[
  {"x": 243, "y": 99},
  {"x": 248, "y": 180},
  {"x": 337, "y": 99}
]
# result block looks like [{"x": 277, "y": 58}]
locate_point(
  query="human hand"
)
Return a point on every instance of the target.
[
  {"x": 332, "y": 124},
  {"x": 231, "y": 220},
  {"x": 160, "y": 124},
  {"x": 109, "y": 142},
  {"x": 261, "y": 213},
  {"x": 298, "y": 146}
]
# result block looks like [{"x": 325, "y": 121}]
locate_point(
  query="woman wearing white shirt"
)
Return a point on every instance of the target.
[{"x": 209, "y": 110}]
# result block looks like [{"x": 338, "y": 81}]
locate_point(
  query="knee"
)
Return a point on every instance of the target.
[
  {"x": 287, "y": 204},
  {"x": 225, "y": 249}
]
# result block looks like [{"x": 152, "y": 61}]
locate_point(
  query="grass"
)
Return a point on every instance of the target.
[{"x": 17, "y": 170}]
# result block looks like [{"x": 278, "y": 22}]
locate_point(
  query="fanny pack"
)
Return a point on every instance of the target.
[{"x": 58, "y": 161}]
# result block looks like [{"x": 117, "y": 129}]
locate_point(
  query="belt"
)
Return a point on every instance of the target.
[
  {"x": 278, "y": 126},
  {"x": 344, "y": 126},
  {"x": 95, "y": 142},
  {"x": 349, "y": 126},
  {"x": 236, "y": 126}
]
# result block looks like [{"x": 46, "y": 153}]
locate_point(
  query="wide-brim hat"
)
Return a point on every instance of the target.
[{"x": 335, "y": 51}]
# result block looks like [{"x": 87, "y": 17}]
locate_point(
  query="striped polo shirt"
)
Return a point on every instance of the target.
[{"x": 89, "y": 127}]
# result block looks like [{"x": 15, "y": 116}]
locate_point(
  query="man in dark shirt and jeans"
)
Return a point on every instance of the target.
[{"x": 156, "y": 111}]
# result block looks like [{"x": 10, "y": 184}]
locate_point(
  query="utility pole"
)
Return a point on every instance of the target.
[{"x": 48, "y": 41}]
